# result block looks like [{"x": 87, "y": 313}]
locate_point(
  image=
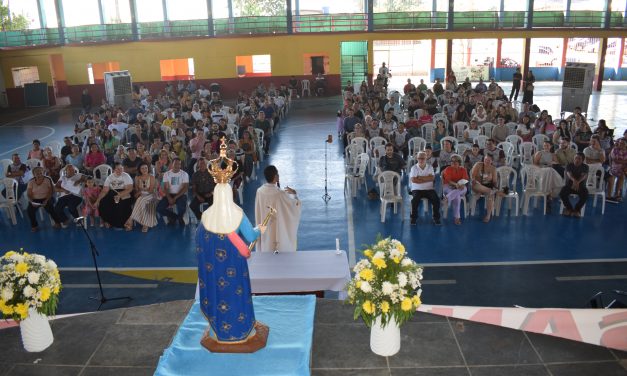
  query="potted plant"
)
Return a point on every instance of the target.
[
  {"x": 386, "y": 292},
  {"x": 29, "y": 292}
]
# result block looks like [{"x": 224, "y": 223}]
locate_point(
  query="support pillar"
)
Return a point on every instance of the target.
[
  {"x": 432, "y": 66},
  {"x": 607, "y": 14},
  {"x": 290, "y": 26},
  {"x": 497, "y": 63},
  {"x": 134, "y": 26},
  {"x": 620, "y": 59},
  {"x": 450, "y": 15},
  {"x": 529, "y": 15},
  {"x": 527, "y": 53},
  {"x": 598, "y": 82},
  {"x": 42, "y": 14},
  {"x": 210, "y": 31},
  {"x": 370, "y": 9},
  {"x": 58, "y": 7},
  {"x": 449, "y": 57}
]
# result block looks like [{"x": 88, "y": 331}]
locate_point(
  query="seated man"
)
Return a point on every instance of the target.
[
  {"x": 20, "y": 172},
  {"x": 391, "y": 161},
  {"x": 202, "y": 187},
  {"x": 577, "y": 173},
  {"x": 421, "y": 180},
  {"x": 564, "y": 155},
  {"x": 498, "y": 156},
  {"x": 68, "y": 190},
  {"x": 176, "y": 182},
  {"x": 265, "y": 126}
]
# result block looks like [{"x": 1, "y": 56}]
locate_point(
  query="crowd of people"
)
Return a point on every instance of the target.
[
  {"x": 123, "y": 167},
  {"x": 463, "y": 133}
]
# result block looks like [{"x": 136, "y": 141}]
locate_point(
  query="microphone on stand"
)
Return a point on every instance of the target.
[{"x": 79, "y": 219}]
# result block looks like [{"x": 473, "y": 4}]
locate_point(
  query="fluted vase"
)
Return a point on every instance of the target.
[
  {"x": 385, "y": 341},
  {"x": 36, "y": 332}
]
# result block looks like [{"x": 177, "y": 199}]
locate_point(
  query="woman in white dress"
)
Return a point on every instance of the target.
[{"x": 145, "y": 209}]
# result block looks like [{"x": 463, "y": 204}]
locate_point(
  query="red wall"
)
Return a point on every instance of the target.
[{"x": 15, "y": 97}]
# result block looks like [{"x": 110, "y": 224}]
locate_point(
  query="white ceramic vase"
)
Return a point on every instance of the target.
[
  {"x": 36, "y": 332},
  {"x": 385, "y": 341}
]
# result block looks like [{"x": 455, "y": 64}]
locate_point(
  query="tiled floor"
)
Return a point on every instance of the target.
[{"x": 128, "y": 342}]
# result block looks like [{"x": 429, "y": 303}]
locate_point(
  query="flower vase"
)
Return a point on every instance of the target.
[
  {"x": 385, "y": 341},
  {"x": 36, "y": 332}
]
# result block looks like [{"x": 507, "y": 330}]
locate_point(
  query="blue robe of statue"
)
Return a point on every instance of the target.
[{"x": 224, "y": 285}]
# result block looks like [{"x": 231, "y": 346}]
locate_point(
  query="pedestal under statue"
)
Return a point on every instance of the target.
[{"x": 224, "y": 283}]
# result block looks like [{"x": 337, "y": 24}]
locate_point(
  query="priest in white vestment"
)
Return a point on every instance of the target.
[{"x": 283, "y": 226}]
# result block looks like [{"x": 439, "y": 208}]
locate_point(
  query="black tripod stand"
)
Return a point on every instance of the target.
[
  {"x": 326, "y": 196},
  {"x": 82, "y": 221}
]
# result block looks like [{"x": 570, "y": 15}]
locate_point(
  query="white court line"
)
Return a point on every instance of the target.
[
  {"x": 514, "y": 263},
  {"x": 351, "y": 229},
  {"x": 30, "y": 143},
  {"x": 590, "y": 278},
  {"x": 113, "y": 269},
  {"x": 111, "y": 285}
]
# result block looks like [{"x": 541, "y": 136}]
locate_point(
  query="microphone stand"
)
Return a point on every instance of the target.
[
  {"x": 326, "y": 196},
  {"x": 94, "y": 252}
]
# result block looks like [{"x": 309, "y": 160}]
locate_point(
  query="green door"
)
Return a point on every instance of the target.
[{"x": 354, "y": 62}]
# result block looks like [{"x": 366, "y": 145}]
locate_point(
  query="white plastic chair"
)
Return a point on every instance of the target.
[
  {"x": 101, "y": 173},
  {"x": 377, "y": 153},
  {"x": 596, "y": 186},
  {"x": 486, "y": 129},
  {"x": 305, "y": 88},
  {"x": 531, "y": 180},
  {"x": 427, "y": 132},
  {"x": 538, "y": 140},
  {"x": 508, "y": 150},
  {"x": 234, "y": 130},
  {"x": 351, "y": 152},
  {"x": 414, "y": 145},
  {"x": 84, "y": 135},
  {"x": 527, "y": 150},
  {"x": 418, "y": 114},
  {"x": 574, "y": 146},
  {"x": 376, "y": 142},
  {"x": 511, "y": 128},
  {"x": 32, "y": 163},
  {"x": 462, "y": 148},
  {"x": 515, "y": 140},
  {"x": 167, "y": 132},
  {"x": 4, "y": 167},
  {"x": 458, "y": 130},
  {"x": 480, "y": 140},
  {"x": 362, "y": 142},
  {"x": 390, "y": 193},
  {"x": 506, "y": 176},
  {"x": 356, "y": 174},
  {"x": 8, "y": 201},
  {"x": 260, "y": 134},
  {"x": 474, "y": 197}
]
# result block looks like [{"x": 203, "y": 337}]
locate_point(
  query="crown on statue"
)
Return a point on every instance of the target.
[{"x": 222, "y": 168}]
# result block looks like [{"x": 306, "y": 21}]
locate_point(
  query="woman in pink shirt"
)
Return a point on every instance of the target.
[{"x": 94, "y": 158}]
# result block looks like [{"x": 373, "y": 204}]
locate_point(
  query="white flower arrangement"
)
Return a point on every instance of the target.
[
  {"x": 28, "y": 281},
  {"x": 386, "y": 284}
]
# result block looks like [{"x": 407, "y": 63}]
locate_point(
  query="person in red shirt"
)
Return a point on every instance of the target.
[
  {"x": 94, "y": 158},
  {"x": 454, "y": 179},
  {"x": 409, "y": 87}
]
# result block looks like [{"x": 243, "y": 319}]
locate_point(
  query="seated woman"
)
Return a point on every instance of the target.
[
  {"x": 114, "y": 202},
  {"x": 552, "y": 181},
  {"x": 618, "y": 170},
  {"x": 484, "y": 183},
  {"x": 545, "y": 157},
  {"x": 52, "y": 165},
  {"x": 562, "y": 130},
  {"x": 473, "y": 156},
  {"x": 472, "y": 131},
  {"x": 438, "y": 134},
  {"x": 109, "y": 145},
  {"x": 75, "y": 158},
  {"x": 525, "y": 129},
  {"x": 145, "y": 209},
  {"x": 94, "y": 158},
  {"x": 595, "y": 155},
  {"x": 120, "y": 155},
  {"x": 582, "y": 133},
  {"x": 36, "y": 152},
  {"x": 162, "y": 165},
  {"x": 250, "y": 153},
  {"x": 454, "y": 186},
  {"x": 39, "y": 191},
  {"x": 479, "y": 115}
]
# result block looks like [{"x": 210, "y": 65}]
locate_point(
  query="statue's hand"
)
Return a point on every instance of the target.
[{"x": 262, "y": 228}]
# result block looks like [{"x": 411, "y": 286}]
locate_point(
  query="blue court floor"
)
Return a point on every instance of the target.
[{"x": 298, "y": 150}]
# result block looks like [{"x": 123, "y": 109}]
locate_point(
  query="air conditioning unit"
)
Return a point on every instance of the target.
[
  {"x": 119, "y": 88},
  {"x": 577, "y": 86}
]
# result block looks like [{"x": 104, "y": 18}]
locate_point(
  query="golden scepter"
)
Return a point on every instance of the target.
[{"x": 264, "y": 223}]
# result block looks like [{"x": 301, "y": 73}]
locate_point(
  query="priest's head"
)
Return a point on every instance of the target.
[{"x": 271, "y": 174}]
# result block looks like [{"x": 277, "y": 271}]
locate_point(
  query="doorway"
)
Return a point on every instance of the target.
[
  {"x": 317, "y": 65},
  {"x": 354, "y": 62}
]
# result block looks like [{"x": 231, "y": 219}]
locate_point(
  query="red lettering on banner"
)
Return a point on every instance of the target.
[
  {"x": 492, "y": 316},
  {"x": 561, "y": 323},
  {"x": 615, "y": 338}
]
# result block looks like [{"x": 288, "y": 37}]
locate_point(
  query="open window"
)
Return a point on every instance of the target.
[
  {"x": 24, "y": 75},
  {"x": 177, "y": 69},
  {"x": 315, "y": 63},
  {"x": 96, "y": 71},
  {"x": 253, "y": 66}
]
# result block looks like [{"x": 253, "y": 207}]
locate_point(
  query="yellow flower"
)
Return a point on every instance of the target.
[
  {"x": 385, "y": 306},
  {"x": 6, "y": 309},
  {"x": 9, "y": 254},
  {"x": 401, "y": 248},
  {"x": 368, "y": 307},
  {"x": 21, "y": 268},
  {"x": 396, "y": 260},
  {"x": 416, "y": 301},
  {"x": 22, "y": 310},
  {"x": 366, "y": 274},
  {"x": 358, "y": 284},
  {"x": 26, "y": 254},
  {"x": 56, "y": 289},
  {"x": 379, "y": 263},
  {"x": 45, "y": 293},
  {"x": 368, "y": 253},
  {"x": 382, "y": 242},
  {"x": 406, "y": 304}
]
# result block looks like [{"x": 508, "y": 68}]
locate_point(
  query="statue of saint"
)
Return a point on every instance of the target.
[{"x": 224, "y": 284}]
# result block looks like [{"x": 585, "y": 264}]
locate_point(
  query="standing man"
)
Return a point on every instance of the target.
[
  {"x": 283, "y": 227},
  {"x": 516, "y": 81},
  {"x": 385, "y": 74}
]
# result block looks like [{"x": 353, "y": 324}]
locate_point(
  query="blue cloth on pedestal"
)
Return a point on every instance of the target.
[{"x": 287, "y": 352}]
